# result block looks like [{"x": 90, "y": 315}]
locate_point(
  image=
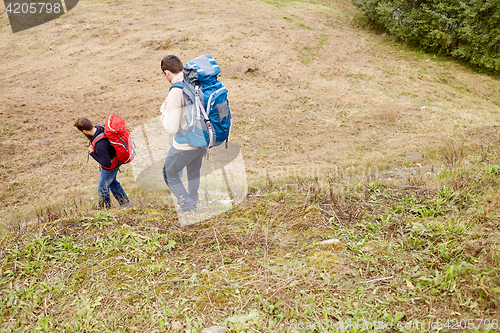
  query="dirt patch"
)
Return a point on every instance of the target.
[{"x": 307, "y": 85}]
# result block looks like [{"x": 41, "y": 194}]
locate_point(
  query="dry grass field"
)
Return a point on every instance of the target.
[{"x": 309, "y": 87}]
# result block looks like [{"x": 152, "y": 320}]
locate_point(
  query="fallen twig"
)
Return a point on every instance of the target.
[{"x": 375, "y": 280}]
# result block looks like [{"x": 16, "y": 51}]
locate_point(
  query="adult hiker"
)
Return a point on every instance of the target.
[
  {"x": 196, "y": 112},
  {"x": 104, "y": 153},
  {"x": 181, "y": 154}
]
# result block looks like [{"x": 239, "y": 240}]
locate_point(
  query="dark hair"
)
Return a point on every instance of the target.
[
  {"x": 171, "y": 63},
  {"x": 83, "y": 124}
]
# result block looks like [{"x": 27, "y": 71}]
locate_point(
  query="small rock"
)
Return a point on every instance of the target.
[
  {"x": 329, "y": 241},
  {"x": 332, "y": 244},
  {"x": 413, "y": 154},
  {"x": 204, "y": 271},
  {"x": 215, "y": 329},
  {"x": 176, "y": 325}
]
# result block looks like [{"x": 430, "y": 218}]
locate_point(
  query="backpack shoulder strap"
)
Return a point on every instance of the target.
[
  {"x": 177, "y": 85},
  {"x": 97, "y": 138},
  {"x": 101, "y": 125}
]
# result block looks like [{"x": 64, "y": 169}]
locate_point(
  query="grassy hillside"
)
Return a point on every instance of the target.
[
  {"x": 413, "y": 254},
  {"x": 308, "y": 87},
  {"x": 347, "y": 136}
]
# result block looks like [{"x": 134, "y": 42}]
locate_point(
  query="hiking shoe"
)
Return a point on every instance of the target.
[
  {"x": 190, "y": 209},
  {"x": 126, "y": 205}
]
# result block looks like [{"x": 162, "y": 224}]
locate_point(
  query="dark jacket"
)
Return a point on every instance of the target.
[{"x": 103, "y": 150}]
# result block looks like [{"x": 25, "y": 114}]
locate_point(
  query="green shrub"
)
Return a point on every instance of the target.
[{"x": 467, "y": 30}]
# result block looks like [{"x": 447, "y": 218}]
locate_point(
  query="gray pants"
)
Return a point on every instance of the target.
[{"x": 174, "y": 163}]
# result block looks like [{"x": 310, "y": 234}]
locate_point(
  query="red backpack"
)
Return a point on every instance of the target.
[{"x": 119, "y": 137}]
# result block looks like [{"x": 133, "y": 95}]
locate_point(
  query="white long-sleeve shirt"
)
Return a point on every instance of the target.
[{"x": 173, "y": 113}]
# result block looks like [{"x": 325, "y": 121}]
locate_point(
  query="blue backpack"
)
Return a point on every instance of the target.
[{"x": 207, "y": 108}]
